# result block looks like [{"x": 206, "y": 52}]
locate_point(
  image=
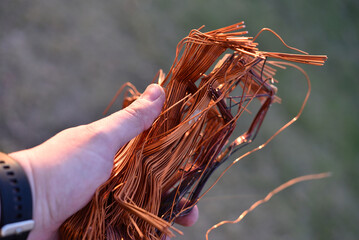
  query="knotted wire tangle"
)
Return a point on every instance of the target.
[{"x": 159, "y": 175}]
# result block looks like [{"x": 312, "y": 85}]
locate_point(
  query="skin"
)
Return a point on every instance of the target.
[{"x": 65, "y": 171}]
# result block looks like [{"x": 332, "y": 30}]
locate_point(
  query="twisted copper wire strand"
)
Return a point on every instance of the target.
[
  {"x": 268, "y": 197},
  {"x": 160, "y": 174}
]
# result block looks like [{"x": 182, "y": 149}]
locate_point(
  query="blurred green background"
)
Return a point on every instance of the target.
[{"x": 62, "y": 61}]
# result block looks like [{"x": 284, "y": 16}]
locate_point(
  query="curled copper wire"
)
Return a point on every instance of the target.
[{"x": 160, "y": 174}]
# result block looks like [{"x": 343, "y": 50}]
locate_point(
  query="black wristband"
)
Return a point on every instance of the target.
[{"x": 16, "y": 201}]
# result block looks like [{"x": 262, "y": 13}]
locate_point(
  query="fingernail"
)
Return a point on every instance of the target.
[{"x": 152, "y": 92}]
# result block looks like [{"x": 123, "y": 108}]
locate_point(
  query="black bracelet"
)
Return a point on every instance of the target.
[{"x": 16, "y": 201}]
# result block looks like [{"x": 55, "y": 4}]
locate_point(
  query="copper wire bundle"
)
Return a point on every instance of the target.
[{"x": 160, "y": 174}]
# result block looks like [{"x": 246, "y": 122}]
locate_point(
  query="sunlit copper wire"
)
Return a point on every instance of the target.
[{"x": 160, "y": 174}]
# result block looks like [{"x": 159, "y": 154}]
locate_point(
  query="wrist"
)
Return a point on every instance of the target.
[
  {"x": 16, "y": 200},
  {"x": 43, "y": 229}
]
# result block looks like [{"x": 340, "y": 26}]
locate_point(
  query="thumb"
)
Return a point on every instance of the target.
[{"x": 120, "y": 127}]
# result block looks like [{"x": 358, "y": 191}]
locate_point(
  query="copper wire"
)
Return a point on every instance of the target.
[{"x": 159, "y": 175}]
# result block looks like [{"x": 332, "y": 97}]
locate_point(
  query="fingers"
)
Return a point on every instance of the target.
[
  {"x": 166, "y": 238},
  {"x": 120, "y": 127},
  {"x": 189, "y": 219}
]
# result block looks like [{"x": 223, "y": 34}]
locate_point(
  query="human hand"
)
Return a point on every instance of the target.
[
  {"x": 65, "y": 171},
  {"x": 186, "y": 220}
]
